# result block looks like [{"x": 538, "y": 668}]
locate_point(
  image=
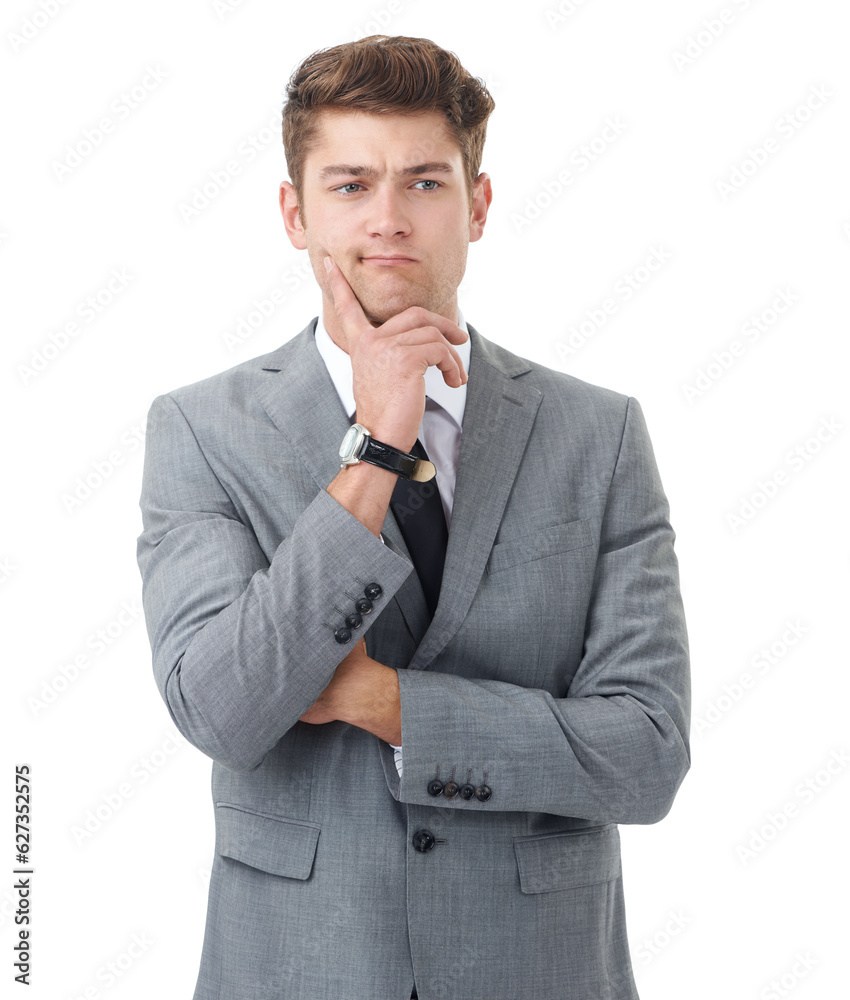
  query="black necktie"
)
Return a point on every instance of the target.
[{"x": 419, "y": 511}]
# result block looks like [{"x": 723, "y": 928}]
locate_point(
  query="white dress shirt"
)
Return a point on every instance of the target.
[{"x": 441, "y": 424}]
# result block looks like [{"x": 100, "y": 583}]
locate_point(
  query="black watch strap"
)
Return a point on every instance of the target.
[{"x": 389, "y": 458}]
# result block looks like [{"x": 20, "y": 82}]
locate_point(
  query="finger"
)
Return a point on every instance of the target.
[
  {"x": 453, "y": 371},
  {"x": 418, "y": 316},
  {"x": 436, "y": 351},
  {"x": 346, "y": 303}
]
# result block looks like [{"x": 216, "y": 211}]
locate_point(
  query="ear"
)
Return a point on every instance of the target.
[
  {"x": 291, "y": 213},
  {"x": 482, "y": 195}
]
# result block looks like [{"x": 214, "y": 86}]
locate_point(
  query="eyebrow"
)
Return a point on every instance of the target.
[{"x": 358, "y": 170}]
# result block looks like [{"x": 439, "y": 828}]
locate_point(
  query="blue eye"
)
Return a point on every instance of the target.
[{"x": 436, "y": 183}]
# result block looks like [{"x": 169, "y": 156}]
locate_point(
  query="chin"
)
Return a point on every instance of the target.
[
  {"x": 380, "y": 315},
  {"x": 379, "y": 308}
]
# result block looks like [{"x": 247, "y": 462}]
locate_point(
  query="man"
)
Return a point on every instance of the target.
[{"x": 418, "y": 773}]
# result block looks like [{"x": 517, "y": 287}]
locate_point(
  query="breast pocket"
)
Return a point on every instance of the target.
[
  {"x": 551, "y": 861},
  {"x": 272, "y": 844},
  {"x": 540, "y": 544}
]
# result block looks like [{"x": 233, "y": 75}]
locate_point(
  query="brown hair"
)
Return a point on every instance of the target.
[{"x": 385, "y": 74}]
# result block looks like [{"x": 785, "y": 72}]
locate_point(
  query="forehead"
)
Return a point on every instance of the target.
[{"x": 393, "y": 139}]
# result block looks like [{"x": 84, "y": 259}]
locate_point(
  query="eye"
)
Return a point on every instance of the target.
[
  {"x": 435, "y": 183},
  {"x": 351, "y": 184}
]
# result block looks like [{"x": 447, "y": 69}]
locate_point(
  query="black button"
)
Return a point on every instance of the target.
[
  {"x": 467, "y": 792},
  {"x": 373, "y": 591},
  {"x": 353, "y": 620},
  {"x": 342, "y": 635},
  {"x": 483, "y": 792},
  {"x": 363, "y": 605},
  {"x": 423, "y": 841},
  {"x": 435, "y": 787},
  {"x": 450, "y": 789}
]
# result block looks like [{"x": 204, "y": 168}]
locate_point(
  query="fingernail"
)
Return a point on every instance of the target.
[{"x": 328, "y": 264}]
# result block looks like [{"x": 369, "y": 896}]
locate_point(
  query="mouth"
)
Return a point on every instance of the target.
[{"x": 389, "y": 260}]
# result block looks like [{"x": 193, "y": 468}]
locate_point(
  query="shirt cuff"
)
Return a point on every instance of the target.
[{"x": 397, "y": 757}]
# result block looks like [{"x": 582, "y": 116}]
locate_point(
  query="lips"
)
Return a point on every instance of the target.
[{"x": 388, "y": 259}]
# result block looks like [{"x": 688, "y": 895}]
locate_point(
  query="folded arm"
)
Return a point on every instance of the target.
[
  {"x": 242, "y": 644},
  {"x": 615, "y": 748}
]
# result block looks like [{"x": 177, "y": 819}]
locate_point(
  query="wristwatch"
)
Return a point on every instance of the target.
[{"x": 358, "y": 445}]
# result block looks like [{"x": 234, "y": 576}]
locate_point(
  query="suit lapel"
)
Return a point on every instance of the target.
[
  {"x": 500, "y": 411},
  {"x": 303, "y": 403}
]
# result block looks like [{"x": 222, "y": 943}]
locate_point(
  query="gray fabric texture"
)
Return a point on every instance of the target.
[{"x": 555, "y": 672}]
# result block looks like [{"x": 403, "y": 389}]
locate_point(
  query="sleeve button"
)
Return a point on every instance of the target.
[
  {"x": 363, "y": 605},
  {"x": 373, "y": 591},
  {"x": 435, "y": 787},
  {"x": 483, "y": 792},
  {"x": 353, "y": 620},
  {"x": 450, "y": 789},
  {"x": 342, "y": 635},
  {"x": 467, "y": 791}
]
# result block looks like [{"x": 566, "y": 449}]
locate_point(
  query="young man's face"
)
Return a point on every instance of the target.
[{"x": 387, "y": 186}]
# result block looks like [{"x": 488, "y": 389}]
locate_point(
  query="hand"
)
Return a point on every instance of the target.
[
  {"x": 389, "y": 361},
  {"x": 362, "y": 692}
]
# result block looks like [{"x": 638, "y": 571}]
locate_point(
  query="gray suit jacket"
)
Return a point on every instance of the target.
[{"x": 555, "y": 672}]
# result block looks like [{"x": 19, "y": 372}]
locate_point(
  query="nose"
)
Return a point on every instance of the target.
[{"x": 387, "y": 214}]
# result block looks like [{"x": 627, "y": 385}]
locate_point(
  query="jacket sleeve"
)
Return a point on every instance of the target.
[
  {"x": 243, "y": 645},
  {"x": 615, "y": 749}
]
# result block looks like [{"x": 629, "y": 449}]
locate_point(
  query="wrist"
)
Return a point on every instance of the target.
[
  {"x": 361, "y": 445},
  {"x": 392, "y": 432},
  {"x": 378, "y": 709}
]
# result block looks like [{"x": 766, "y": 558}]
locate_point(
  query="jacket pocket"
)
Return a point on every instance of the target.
[
  {"x": 551, "y": 861},
  {"x": 548, "y": 541},
  {"x": 273, "y": 844}
]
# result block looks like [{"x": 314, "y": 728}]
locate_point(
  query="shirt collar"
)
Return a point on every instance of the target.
[{"x": 338, "y": 364}]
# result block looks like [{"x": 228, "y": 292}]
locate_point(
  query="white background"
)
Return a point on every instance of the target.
[{"x": 744, "y": 883}]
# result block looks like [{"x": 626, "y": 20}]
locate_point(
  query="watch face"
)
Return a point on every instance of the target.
[{"x": 349, "y": 450}]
